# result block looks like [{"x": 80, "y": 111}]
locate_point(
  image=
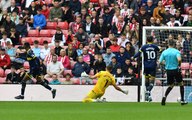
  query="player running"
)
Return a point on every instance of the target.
[
  {"x": 150, "y": 51},
  {"x": 105, "y": 78},
  {"x": 34, "y": 73}
]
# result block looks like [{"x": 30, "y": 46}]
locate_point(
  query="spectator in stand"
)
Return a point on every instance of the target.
[
  {"x": 4, "y": 4},
  {"x": 94, "y": 17},
  {"x": 122, "y": 55},
  {"x": 189, "y": 21},
  {"x": 4, "y": 40},
  {"x": 15, "y": 18},
  {"x": 82, "y": 36},
  {"x": 8, "y": 24},
  {"x": 91, "y": 49},
  {"x": 157, "y": 9},
  {"x": 125, "y": 11},
  {"x": 130, "y": 49},
  {"x": 99, "y": 44},
  {"x": 25, "y": 3},
  {"x": 178, "y": 17},
  {"x": 69, "y": 37},
  {"x": 74, "y": 26},
  {"x": 128, "y": 32},
  {"x": 71, "y": 52},
  {"x": 45, "y": 11},
  {"x": 122, "y": 40},
  {"x": 64, "y": 59},
  {"x": 75, "y": 43},
  {"x": 119, "y": 77},
  {"x": 91, "y": 8},
  {"x": 54, "y": 67},
  {"x": 115, "y": 65},
  {"x": 89, "y": 27},
  {"x": 150, "y": 7},
  {"x": 21, "y": 28},
  {"x": 166, "y": 16},
  {"x": 45, "y": 50},
  {"x": 143, "y": 15},
  {"x": 80, "y": 49},
  {"x": 88, "y": 58},
  {"x": 187, "y": 45},
  {"x": 14, "y": 36},
  {"x": 118, "y": 27},
  {"x": 12, "y": 77},
  {"x": 58, "y": 48},
  {"x": 99, "y": 65},
  {"x": 59, "y": 36},
  {"x": 110, "y": 41},
  {"x": 126, "y": 66},
  {"x": 75, "y": 6},
  {"x": 116, "y": 16},
  {"x": 67, "y": 14},
  {"x": 39, "y": 20},
  {"x": 180, "y": 39},
  {"x": 107, "y": 17},
  {"x": 2, "y": 30},
  {"x": 27, "y": 17},
  {"x": 49, "y": 57},
  {"x": 167, "y": 3},
  {"x": 3, "y": 16},
  {"x": 102, "y": 28},
  {"x": 36, "y": 49},
  {"x": 172, "y": 9},
  {"x": 5, "y": 60},
  {"x": 83, "y": 15},
  {"x": 108, "y": 56},
  {"x": 100, "y": 10},
  {"x": 135, "y": 44},
  {"x": 115, "y": 47},
  {"x": 173, "y": 22},
  {"x": 179, "y": 5},
  {"x": 54, "y": 80},
  {"x": 131, "y": 75},
  {"x": 80, "y": 67},
  {"x": 13, "y": 7},
  {"x": 68, "y": 80},
  {"x": 133, "y": 4},
  {"x": 56, "y": 12},
  {"x": 33, "y": 8},
  {"x": 134, "y": 27},
  {"x": 11, "y": 51}
]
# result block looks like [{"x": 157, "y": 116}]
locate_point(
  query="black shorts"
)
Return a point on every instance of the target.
[
  {"x": 150, "y": 72},
  {"x": 35, "y": 72},
  {"x": 174, "y": 76}
]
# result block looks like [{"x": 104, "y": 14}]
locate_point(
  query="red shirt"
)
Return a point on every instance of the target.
[
  {"x": 5, "y": 60},
  {"x": 115, "y": 48},
  {"x": 65, "y": 61},
  {"x": 45, "y": 13}
]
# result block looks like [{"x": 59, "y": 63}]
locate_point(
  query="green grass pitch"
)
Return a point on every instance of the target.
[{"x": 93, "y": 111}]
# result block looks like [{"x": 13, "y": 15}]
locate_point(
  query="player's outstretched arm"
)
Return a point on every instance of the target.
[{"x": 119, "y": 89}]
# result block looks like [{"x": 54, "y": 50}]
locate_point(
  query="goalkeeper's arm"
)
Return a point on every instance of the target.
[{"x": 119, "y": 89}]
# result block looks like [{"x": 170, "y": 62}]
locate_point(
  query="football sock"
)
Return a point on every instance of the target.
[
  {"x": 23, "y": 88},
  {"x": 43, "y": 83},
  {"x": 182, "y": 92},
  {"x": 168, "y": 91}
]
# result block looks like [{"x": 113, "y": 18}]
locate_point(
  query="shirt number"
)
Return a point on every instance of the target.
[{"x": 151, "y": 54}]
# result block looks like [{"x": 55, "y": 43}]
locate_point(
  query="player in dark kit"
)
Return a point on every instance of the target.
[
  {"x": 34, "y": 73},
  {"x": 149, "y": 51}
]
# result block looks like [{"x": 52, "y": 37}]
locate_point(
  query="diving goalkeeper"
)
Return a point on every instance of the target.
[{"x": 105, "y": 78}]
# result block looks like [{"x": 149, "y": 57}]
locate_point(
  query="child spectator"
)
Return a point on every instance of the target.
[
  {"x": 68, "y": 80},
  {"x": 36, "y": 48},
  {"x": 59, "y": 36},
  {"x": 12, "y": 77},
  {"x": 119, "y": 77},
  {"x": 54, "y": 80}
]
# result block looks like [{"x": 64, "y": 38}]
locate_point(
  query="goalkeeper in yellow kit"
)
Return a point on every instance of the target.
[{"x": 105, "y": 78}]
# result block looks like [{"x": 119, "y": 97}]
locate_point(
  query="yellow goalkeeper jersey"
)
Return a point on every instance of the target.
[{"x": 104, "y": 80}]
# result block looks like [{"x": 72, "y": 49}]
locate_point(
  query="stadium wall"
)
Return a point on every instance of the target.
[{"x": 78, "y": 92}]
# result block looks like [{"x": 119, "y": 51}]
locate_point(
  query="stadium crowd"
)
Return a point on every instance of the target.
[{"x": 75, "y": 36}]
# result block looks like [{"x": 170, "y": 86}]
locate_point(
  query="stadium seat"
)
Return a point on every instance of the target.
[
  {"x": 48, "y": 39},
  {"x": 33, "y": 33},
  {"x": 68, "y": 71},
  {"x": 2, "y": 73},
  {"x": 38, "y": 39},
  {"x": 7, "y": 71},
  {"x": 2, "y": 80},
  {"x": 185, "y": 66},
  {"x": 26, "y": 65},
  {"x": 65, "y": 32},
  {"x": 63, "y": 25},
  {"x": 76, "y": 81},
  {"x": 45, "y": 33},
  {"x": 27, "y": 39},
  {"x": 191, "y": 67},
  {"x": 51, "y": 25},
  {"x": 183, "y": 72},
  {"x": 53, "y": 32}
]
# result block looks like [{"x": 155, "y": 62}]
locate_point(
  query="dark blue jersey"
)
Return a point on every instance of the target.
[
  {"x": 150, "y": 55},
  {"x": 34, "y": 62}
]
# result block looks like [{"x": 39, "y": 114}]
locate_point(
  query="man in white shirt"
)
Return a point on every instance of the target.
[
  {"x": 125, "y": 11},
  {"x": 173, "y": 22},
  {"x": 122, "y": 41},
  {"x": 45, "y": 51},
  {"x": 4, "y": 40},
  {"x": 55, "y": 67}
]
